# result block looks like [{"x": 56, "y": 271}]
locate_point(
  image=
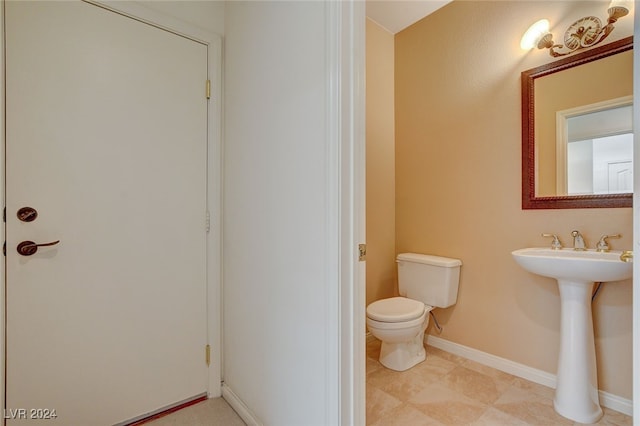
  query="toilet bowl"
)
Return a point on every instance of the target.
[
  {"x": 400, "y": 324},
  {"x": 424, "y": 282}
]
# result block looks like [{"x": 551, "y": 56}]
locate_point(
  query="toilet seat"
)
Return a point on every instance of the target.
[
  {"x": 395, "y": 309},
  {"x": 403, "y": 325}
]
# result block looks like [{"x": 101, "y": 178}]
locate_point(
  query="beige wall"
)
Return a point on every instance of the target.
[
  {"x": 380, "y": 183},
  {"x": 458, "y": 183}
]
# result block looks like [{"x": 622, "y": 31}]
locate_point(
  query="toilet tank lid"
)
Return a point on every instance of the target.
[{"x": 428, "y": 259}]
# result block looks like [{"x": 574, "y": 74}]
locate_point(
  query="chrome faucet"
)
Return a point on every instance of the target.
[{"x": 578, "y": 241}]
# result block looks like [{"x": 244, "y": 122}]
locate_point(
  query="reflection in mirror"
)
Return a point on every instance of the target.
[
  {"x": 595, "y": 148},
  {"x": 575, "y": 115}
]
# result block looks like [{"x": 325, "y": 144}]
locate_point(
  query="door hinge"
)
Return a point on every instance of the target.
[
  {"x": 208, "y": 355},
  {"x": 362, "y": 252},
  {"x": 208, "y": 89},
  {"x": 4, "y": 249},
  {"x": 207, "y": 221}
]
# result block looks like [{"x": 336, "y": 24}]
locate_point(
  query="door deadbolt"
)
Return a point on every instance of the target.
[
  {"x": 27, "y": 248},
  {"x": 27, "y": 214}
]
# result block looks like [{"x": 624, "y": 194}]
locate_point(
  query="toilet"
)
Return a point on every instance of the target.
[{"x": 424, "y": 283}]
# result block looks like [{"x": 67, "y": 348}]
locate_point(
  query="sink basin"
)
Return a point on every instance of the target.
[
  {"x": 576, "y": 273},
  {"x": 567, "y": 264}
]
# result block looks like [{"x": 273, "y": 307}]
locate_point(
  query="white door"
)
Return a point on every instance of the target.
[
  {"x": 106, "y": 123},
  {"x": 620, "y": 176}
]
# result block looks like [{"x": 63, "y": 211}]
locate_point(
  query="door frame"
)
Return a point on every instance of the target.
[
  {"x": 346, "y": 52},
  {"x": 214, "y": 175},
  {"x": 635, "y": 302}
]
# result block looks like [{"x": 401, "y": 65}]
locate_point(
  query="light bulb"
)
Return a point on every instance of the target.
[{"x": 534, "y": 33}]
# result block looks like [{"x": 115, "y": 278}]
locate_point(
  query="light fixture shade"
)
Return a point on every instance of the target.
[
  {"x": 534, "y": 34},
  {"x": 618, "y": 9},
  {"x": 625, "y": 4}
]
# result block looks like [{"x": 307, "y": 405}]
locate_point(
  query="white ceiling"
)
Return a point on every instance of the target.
[{"x": 396, "y": 15}]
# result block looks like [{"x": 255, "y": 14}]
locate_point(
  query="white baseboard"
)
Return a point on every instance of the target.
[
  {"x": 616, "y": 403},
  {"x": 236, "y": 403},
  {"x": 502, "y": 364},
  {"x": 607, "y": 399}
]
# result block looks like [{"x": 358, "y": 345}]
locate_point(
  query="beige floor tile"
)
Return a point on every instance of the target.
[
  {"x": 379, "y": 403},
  {"x": 448, "y": 406},
  {"x": 530, "y": 408},
  {"x": 445, "y": 355},
  {"x": 400, "y": 384},
  {"x": 405, "y": 384},
  {"x": 493, "y": 417},
  {"x": 405, "y": 415},
  {"x": 536, "y": 388},
  {"x": 372, "y": 365},
  {"x": 434, "y": 360},
  {"x": 446, "y": 389},
  {"x": 373, "y": 348},
  {"x": 474, "y": 385}
]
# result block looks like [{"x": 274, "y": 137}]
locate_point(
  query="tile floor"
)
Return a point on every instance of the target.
[
  {"x": 443, "y": 390},
  {"x": 449, "y": 390}
]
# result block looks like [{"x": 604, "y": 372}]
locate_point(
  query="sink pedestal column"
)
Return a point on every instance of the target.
[{"x": 577, "y": 382}]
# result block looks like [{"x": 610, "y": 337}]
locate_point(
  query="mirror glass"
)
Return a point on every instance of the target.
[
  {"x": 577, "y": 130},
  {"x": 595, "y": 149}
]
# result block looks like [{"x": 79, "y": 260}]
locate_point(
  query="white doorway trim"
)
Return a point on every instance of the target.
[
  {"x": 636, "y": 232},
  {"x": 214, "y": 43},
  {"x": 346, "y": 100},
  {"x": 2, "y": 192}
]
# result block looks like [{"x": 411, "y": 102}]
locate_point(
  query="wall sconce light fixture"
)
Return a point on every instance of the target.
[{"x": 583, "y": 33}]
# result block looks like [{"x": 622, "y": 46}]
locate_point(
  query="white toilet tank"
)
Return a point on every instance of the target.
[{"x": 432, "y": 280}]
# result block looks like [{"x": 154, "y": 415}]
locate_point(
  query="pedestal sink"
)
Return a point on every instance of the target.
[{"x": 576, "y": 272}]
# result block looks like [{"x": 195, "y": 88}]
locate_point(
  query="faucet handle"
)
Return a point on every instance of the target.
[
  {"x": 555, "y": 244},
  {"x": 603, "y": 244}
]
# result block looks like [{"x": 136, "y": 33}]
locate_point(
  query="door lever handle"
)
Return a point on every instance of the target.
[{"x": 27, "y": 248}]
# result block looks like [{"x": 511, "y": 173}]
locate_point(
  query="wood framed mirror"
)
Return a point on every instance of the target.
[{"x": 534, "y": 152}]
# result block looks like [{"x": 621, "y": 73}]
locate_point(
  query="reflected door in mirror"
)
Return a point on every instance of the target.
[{"x": 594, "y": 146}]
